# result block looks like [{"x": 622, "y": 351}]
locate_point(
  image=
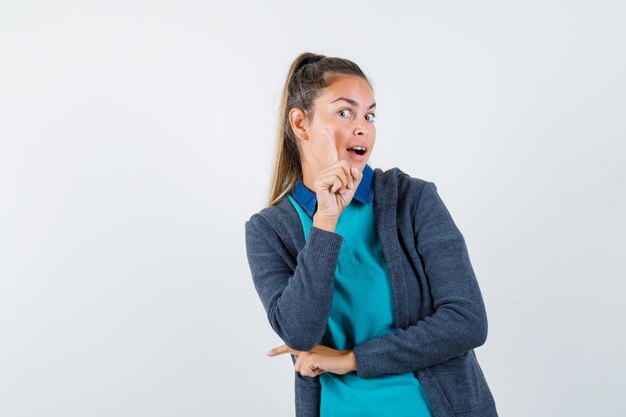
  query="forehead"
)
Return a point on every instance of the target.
[{"x": 348, "y": 86}]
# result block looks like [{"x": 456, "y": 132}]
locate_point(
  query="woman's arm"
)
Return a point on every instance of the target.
[
  {"x": 459, "y": 322},
  {"x": 297, "y": 302}
]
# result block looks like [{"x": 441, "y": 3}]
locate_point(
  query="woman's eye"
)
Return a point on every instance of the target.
[
  {"x": 372, "y": 118},
  {"x": 344, "y": 110}
]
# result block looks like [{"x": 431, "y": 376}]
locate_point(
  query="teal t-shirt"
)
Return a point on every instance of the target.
[{"x": 362, "y": 309}]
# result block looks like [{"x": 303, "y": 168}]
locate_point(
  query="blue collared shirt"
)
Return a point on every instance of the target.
[{"x": 308, "y": 199}]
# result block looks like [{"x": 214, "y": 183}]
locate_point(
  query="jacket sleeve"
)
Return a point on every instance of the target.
[
  {"x": 297, "y": 302},
  {"x": 459, "y": 321}
]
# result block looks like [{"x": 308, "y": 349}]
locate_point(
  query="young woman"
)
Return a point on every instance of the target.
[{"x": 362, "y": 272}]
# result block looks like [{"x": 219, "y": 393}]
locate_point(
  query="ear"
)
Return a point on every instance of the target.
[{"x": 299, "y": 123}]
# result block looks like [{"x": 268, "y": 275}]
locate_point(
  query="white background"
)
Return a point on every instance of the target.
[{"x": 136, "y": 139}]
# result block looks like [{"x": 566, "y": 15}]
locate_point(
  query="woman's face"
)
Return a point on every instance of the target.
[{"x": 347, "y": 109}]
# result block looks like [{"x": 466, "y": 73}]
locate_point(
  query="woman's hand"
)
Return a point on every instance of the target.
[
  {"x": 336, "y": 184},
  {"x": 318, "y": 360}
]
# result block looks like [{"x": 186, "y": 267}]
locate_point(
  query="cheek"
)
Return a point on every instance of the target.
[
  {"x": 316, "y": 153},
  {"x": 320, "y": 149}
]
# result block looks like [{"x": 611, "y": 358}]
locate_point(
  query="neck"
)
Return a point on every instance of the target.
[{"x": 308, "y": 177}]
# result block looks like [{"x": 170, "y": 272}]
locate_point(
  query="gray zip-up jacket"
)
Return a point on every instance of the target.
[{"x": 439, "y": 311}]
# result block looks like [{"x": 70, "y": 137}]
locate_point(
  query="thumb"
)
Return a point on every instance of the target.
[{"x": 357, "y": 175}]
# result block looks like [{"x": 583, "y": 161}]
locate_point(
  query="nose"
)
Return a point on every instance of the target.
[{"x": 361, "y": 129}]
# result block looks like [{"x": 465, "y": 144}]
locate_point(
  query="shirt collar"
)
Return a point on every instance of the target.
[{"x": 308, "y": 199}]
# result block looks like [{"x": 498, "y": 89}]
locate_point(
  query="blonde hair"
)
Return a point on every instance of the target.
[{"x": 308, "y": 75}]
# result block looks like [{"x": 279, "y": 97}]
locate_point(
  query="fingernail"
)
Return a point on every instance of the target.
[
  {"x": 355, "y": 170},
  {"x": 351, "y": 184},
  {"x": 268, "y": 352}
]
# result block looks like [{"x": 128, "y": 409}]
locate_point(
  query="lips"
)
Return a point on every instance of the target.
[
  {"x": 358, "y": 149},
  {"x": 356, "y": 156}
]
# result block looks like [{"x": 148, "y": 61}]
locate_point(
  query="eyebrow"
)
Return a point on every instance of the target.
[{"x": 354, "y": 103}]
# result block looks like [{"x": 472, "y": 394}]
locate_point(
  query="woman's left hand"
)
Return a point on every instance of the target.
[{"x": 318, "y": 360}]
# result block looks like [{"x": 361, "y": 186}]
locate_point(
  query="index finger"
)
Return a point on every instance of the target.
[{"x": 332, "y": 149}]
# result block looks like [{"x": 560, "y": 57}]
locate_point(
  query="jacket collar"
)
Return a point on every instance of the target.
[{"x": 308, "y": 199}]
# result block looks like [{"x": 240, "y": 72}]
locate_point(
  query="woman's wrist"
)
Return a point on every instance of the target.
[
  {"x": 324, "y": 223},
  {"x": 351, "y": 360}
]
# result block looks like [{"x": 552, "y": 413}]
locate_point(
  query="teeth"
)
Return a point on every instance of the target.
[{"x": 359, "y": 150}]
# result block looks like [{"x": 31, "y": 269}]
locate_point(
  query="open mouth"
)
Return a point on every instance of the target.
[{"x": 359, "y": 150}]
